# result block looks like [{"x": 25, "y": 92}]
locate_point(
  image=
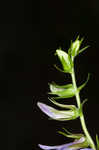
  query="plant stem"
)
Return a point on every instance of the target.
[{"x": 82, "y": 120}]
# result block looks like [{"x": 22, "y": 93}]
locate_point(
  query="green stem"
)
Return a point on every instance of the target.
[{"x": 82, "y": 120}]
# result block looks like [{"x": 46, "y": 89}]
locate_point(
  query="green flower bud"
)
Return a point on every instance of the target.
[
  {"x": 65, "y": 91},
  {"x": 65, "y": 61},
  {"x": 74, "y": 49},
  {"x": 75, "y": 46}
]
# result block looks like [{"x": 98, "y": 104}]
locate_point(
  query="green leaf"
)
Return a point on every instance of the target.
[
  {"x": 59, "y": 69},
  {"x": 83, "y": 49},
  {"x": 62, "y": 133},
  {"x": 81, "y": 106},
  {"x": 84, "y": 84},
  {"x": 67, "y": 132},
  {"x": 62, "y": 97}
]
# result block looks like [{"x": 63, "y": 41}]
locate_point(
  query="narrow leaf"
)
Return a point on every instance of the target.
[
  {"x": 72, "y": 107},
  {"x": 62, "y": 133},
  {"x": 70, "y": 135},
  {"x": 60, "y": 69},
  {"x": 97, "y": 142},
  {"x": 83, "y": 49},
  {"x": 84, "y": 84}
]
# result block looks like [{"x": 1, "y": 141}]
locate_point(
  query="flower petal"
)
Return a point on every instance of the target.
[
  {"x": 58, "y": 147},
  {"x": 64, "y": 146},
  {"x": 86, "y": 149},
  {"x": 46, "y": 109}
]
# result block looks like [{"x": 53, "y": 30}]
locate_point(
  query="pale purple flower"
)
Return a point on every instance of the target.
[
  {"x": 68, "y": 146},
  {"x": 55, "y": 114}
]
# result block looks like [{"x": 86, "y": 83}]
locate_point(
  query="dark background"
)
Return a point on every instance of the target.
[{"x": 29, "y": 35}]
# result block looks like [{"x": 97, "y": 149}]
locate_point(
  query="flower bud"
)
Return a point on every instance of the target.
[
  {"x": 75, "y": 46},
  {"x": 64, "y": 91},
  {"x": 65, "y": 60}
]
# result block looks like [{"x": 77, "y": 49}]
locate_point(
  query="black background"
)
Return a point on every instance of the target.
[{"x": 29, "y": 35}]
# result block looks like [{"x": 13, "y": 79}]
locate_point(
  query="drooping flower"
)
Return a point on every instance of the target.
[
  {"x": 60, "y": 115},
  {"x": 76, "y": 145}
]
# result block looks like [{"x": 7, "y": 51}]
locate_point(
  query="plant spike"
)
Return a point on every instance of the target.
[{"x": 82, "y": 141}]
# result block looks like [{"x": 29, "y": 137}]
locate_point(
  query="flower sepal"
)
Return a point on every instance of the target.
[{"x": 68, "y": 134}]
